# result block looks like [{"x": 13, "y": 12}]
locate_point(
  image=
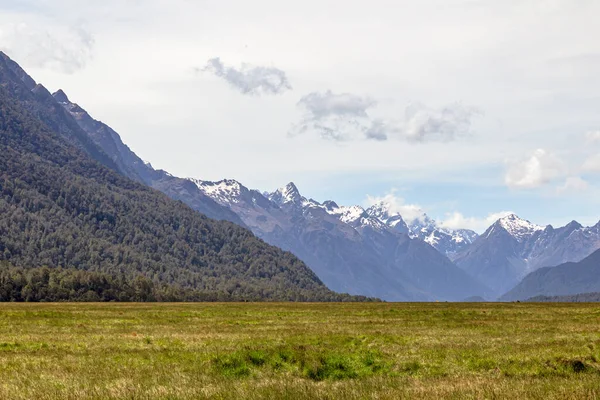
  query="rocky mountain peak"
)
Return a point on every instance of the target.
[
  {"x": 18, "y": 71},
  {"x": 517, "y": 227},
  {"x": 574, "y": 225},
  {"x": 330, "y": 205},
  {"x": 61, "y": 97},
  {"x": 287, "y": 195}
]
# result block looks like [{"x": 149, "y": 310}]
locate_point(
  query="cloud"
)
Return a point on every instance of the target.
[
  {"x": 457, "y": 220},
  {"x": 413, "y": 212},
  {"x": 396, "y": 204},
  {"x": 337, "y": 117},
  {"x": 346, "y": 116},
  {"x": 591, "y": 164},
  {"x": 251, "y": 80},
  {"x": 539, "y": 168},
  {"x": 378, "y": 131},
  {"x": 63, "y": 49},
  {"x": 593, "y": 136},
  {"x": 573, "y": 184},
  {"x": 423, "y": 124},
  {"x": 330, "y": 104}
]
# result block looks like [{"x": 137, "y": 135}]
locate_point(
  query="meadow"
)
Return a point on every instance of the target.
[{"x": 299, "y": 351}]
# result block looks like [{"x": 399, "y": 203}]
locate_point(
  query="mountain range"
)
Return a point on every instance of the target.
[
  {"x": 371, "y": 251},
  {"x": 513, "y": 247},
  {"x": 66, "y": 203},
  {"x": 374, "y": 251},
  {"x": 349, "y": 248}
]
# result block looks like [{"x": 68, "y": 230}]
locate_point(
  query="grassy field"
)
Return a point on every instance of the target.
[{"x": 299, "y": 351}]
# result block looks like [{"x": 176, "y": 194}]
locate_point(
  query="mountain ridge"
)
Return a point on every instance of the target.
[
  {"x": 132, "y": 166},
  {"x": 347, "y": 248},
  {"x": 568, "y": 279},
  {"x": 513, "y": 247}
]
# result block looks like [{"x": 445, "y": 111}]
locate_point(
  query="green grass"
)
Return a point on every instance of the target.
[{"x": 299, "y": 351}]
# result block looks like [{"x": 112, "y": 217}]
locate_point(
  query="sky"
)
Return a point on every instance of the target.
[{"x": 463, "y": 109}]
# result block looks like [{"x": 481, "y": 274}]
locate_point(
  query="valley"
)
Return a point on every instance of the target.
[{"x": 299, "y": 351}]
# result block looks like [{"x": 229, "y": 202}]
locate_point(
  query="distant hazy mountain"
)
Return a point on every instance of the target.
[
  {"x": 513, "y": 247},
  {"x": 349, "y": 248},
  {"x": 133, "y": 167},
  {"x": 447, "y": 241},
  {"x": 564, "y": 280}
]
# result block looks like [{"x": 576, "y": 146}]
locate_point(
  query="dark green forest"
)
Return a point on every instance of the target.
[
  {"x": 61, "y": 209},
  {"x": 574, "y": 298},
  {"x": 59, "y": 284}
]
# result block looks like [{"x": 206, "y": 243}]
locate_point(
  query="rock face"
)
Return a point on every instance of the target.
[
  {"x": 567, "y": 279},
  {"x": 513, "y": 247},
  {"x": 349, "y": 248}
]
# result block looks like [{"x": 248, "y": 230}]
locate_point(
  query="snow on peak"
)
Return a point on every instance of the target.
[
  {"x": 226, "y": 191},
  {"x": 287, "y": 195},
  {"x": 518, "y": 227},
  {"x": 349, "y": 214},
  {"x": 382, "y": 212},
  {"x": 291, "y": 192}
]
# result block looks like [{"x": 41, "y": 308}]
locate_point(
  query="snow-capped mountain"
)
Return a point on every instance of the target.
[
  {"x": 446, "y": 241},
  {"x": 516, "y": 227},
  {"x": 513, "y": 247},
  {"x": 349, "y": 249},
  {"x": 382, "y": 212}
]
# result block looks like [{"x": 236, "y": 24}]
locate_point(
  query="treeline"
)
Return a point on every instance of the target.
[
  {"x": 59, "y": 284},
  {"x": 575, "y": 298}
]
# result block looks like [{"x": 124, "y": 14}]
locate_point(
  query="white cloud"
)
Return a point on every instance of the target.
[
  {"x": 573, "y": 184},
  {"x": 539, "y": 168},
  {"x": 413, "y": 212},
  {"x": 345, "y": 116},
  {"x": 336, "y": 116},
  {"x": 591, "y": 164},
  {"x": 61, "y": 48},
  {"x": 593, "y": 136},
  {"x": 456, "y": 220},
  {"x": 253, "y": 80},
  {"x": 409, "y": 212},
  {"x": 423, "y": 124}
]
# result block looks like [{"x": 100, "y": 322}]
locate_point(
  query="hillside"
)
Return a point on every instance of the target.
[
  {"x": 564, "y": 280},
  {"x": 576, "y": 298},
  {"x": 60, "y": 208}
]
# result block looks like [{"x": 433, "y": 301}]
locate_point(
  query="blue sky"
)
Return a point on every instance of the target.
[{"x": 463, "y": 109}]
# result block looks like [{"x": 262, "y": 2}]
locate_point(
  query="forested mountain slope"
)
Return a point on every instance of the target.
[
  {"x": 98, "y": 140},
  {"x": 61, "y": 208}
]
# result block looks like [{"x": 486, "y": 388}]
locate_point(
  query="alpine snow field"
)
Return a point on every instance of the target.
[{"x": 299, "y": 351}]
